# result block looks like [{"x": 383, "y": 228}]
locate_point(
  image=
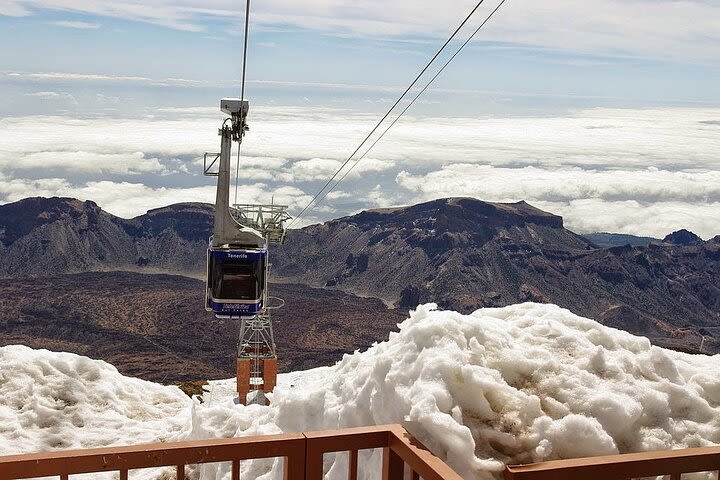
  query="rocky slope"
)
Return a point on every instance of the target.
[
  {"x": 155, "y": 327},
  {"x": 606, "y": 240},
  {"x": 453, "y": 251},
  {"x": 461, "y": 253},
  {"x": 464, "y": 254},
  {"x": 42, "y": 236}
]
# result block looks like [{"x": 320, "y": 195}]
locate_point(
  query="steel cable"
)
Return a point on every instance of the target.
[
  {"x": 387, "y": 114},
  {"x": 242, "y": 94},
  {"x": 413, "y": 100}
]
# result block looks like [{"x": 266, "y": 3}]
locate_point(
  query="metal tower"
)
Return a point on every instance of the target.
[{"x": 257, "y": 356}]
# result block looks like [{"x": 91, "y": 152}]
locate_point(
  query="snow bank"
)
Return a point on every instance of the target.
[
  {"x": 52, "y": 401},
  {"x": 517, "y": 384}
]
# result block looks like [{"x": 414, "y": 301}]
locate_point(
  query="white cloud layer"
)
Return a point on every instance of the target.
[
  {"x": 50, "y": 77},
  {"x": 77, "y": 25},
  {"x": 654, "y": 202},
  {"x": 642, "y": 27},
  {"x": 635, "y": 171},
  {"x": 128, "y": 200}
]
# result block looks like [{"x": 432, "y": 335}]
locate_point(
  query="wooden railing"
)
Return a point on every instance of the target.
[
  {"x": 672, "y": 463},
  {"x": 403, "y": 457},
  {"x": 302, "y": 453}
]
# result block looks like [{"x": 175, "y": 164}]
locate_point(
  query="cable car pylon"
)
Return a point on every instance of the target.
[{"x": 238, "y": 266}]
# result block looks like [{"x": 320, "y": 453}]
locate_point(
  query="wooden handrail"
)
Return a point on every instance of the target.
[
  {"x": 621, "y": 467},
  {"x": 400, "y": 448},
  {"x": 70, "y": 462},
  {"x": 303, "y": 454}
]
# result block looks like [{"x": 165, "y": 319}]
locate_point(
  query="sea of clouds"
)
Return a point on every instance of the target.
[
  {"x": 523, "y": 383},
  {"x": 640, "y": 171}
]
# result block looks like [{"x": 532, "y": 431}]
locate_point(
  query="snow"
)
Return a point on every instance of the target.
[{"x": 518, "y": 384}]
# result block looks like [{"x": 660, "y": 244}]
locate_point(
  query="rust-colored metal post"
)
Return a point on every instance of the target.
[
  {"x": 243, "y": 379},
  {"x": 269, "y": 374},
  {"x": 393, "y": 465}
]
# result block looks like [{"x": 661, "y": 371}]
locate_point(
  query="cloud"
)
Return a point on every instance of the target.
[
  {"x": 630, "y": 216},
  {"x": 565, "y": 185},
  {"x": 62, "y": 96},
  {"x": 91, "y": 77},
  {"x": 13, "y": 9},
  {"x": 651, "y": 202},
  {"x": 128, "y": 200},
  {"x": 643, "y": 171},
  {"x": 77, "y": 25},
  {"x": 88, "y": 163},
  {"x": 323, "y": 168},
  {"x": 314, "y": 169},
  {"x": 92, "y": 146},
  {"x": 646, "y": 28}
]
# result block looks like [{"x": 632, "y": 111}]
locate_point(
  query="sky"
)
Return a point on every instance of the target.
[{"x": 605, "y": 112}]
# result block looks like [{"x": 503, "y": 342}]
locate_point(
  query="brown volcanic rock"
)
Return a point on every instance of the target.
[
  {"x": 41, "y": 236},
  {"x": 155, "y": 326},
  {"x": 465, "y": 254},
  {"x": 434, "y": 251},
  {"x": 174, "y": 238},
  {"x": 683, "y": 237}
]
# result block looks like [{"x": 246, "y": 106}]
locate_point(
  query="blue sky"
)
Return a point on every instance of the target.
[
  {"x": 326, "y": 68},
  {"x": 533, "y": 71}
]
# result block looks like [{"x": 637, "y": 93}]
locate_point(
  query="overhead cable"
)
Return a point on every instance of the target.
[
  {"x": 432, "y": 60},
  {"x": 242, "y": 94},
  {"x": 413, "y": 101}
]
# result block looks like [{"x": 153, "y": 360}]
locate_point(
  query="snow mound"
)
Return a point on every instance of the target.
[
  {"x": 522, "y": 383},
  {"x": 52, "y": 401},
  {"x": 518, "y": 384}
]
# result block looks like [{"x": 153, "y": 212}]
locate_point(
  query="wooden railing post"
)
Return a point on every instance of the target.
[
  {"x": 295, "y": 467},
  {"x": 353, "y": 465},
  {"x": 393, "y": 465},
  {"x": 236, "y": 470}
]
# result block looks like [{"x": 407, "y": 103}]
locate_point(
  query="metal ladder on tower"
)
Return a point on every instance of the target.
[{"x": 257, "y": 354}]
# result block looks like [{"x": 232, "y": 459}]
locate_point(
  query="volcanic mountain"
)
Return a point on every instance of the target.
[
  {"x": 464, "y": 254},
  {"x": 461, "y": 253},
  {"x": 45, "y": 236}
]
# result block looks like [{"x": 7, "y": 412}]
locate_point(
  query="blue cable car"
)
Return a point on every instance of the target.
[
  {"x": 237, "y": 254},
  {"x": 236, "y": 279}
]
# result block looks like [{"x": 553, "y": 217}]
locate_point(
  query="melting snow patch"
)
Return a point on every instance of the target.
[{"x": 517, "y": 384}]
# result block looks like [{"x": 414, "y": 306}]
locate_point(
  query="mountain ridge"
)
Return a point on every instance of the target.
[
  {"x": 461, "y": 253},
  {"x": 41, "y": 236}
]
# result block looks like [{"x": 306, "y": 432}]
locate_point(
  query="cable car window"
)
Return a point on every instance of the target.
[{"x": 234, "y": 279}]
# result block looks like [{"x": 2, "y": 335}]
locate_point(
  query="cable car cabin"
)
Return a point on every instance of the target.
[{"x": 236, "y": 281}]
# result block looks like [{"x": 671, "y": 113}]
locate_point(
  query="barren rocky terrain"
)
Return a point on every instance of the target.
[
  {"x": 465, "y": 254},
  {"x": 461, "y": 253},
  {"x": 155, "y": 327}
]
